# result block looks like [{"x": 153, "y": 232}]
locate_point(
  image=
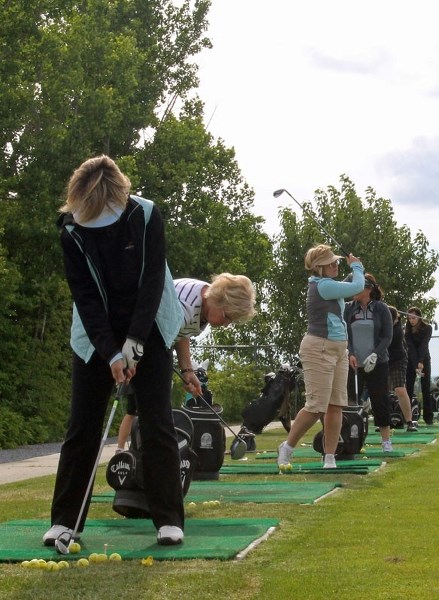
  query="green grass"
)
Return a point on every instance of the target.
[{"x": 377, "y": 538}]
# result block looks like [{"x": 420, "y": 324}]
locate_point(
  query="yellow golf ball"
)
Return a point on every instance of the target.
[
  {"x": 82, "y": 562},
  {"x": 52, "y": 565},
  {"x": 147, "y": 562},
  {"x": 34, "y": 564},
  {"x": 25, "y": 564},
  {"x": 115, "y": 556},
  {"x": 63, "y": 564},
  {"x": 191, "y": 505},
  {"x": 102, "y": 557},
  {"x": 94, "y": 557},
  {"x": 74, "y": 548}
]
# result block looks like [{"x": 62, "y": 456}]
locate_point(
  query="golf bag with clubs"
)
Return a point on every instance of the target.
[
  {"x": 124, "y": 471},
  {"x": 434, "y": 392},
  {"x": 274, "y": 402},
  {"x": 209, "y": 437},
  {"x": 396, "y": 416},
  {"x": 353, "y": 433}
]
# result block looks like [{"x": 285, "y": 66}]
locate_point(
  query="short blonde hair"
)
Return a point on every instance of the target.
[
  {"x": 235, "y": 294},
  {"x": 95, "y": 185}
]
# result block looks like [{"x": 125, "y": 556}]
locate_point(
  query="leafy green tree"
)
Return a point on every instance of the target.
[{"x": 403, "y": 266}]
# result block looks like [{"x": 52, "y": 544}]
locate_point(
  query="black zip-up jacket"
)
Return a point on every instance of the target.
[
  {"x": 128, "y": 307},
  {"x": 417, "y": 344}
]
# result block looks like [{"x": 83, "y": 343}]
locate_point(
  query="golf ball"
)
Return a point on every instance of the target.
[
  {"x": 82, "y": 562},
  {"x": 94, "y": 557},
  {"x": 74, "y": 548},
  {"x": 115, "y": 556}
]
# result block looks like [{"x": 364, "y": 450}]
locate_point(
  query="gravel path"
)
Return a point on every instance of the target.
[{"x": 26, "y": 452}]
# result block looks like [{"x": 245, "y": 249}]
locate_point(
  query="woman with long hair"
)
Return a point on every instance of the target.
[{"x": 418, "y": 335}]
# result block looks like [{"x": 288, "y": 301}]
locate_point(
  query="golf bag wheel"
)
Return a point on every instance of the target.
[
  {"x": 397, "y": 421},
  {"x": 248, "y": 437}
]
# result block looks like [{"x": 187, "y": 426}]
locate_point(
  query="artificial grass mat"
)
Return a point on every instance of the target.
[
  {"x": 402, "y": 438},
  {"x": 293, "y": 492},
  {"x": 136, "y": 539},
  {"x": 358, "y": 467},
  {"x": 308, "y": 452}
]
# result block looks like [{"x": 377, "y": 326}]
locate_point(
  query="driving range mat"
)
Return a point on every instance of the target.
[
  {"x": 368, "y": 453},
  {"x": 219, "y": 539},
  {"x": 277, "y": 492},
  {"x": 358, "y": 467},
  {"x": 402, "y": 438}
]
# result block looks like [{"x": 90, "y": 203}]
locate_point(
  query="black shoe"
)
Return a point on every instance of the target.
[{"x": 411, "y": 427}]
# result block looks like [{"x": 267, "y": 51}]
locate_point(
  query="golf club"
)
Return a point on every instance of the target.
[
  {"x": 62, "y": 543},
  {"x": 278, "y": 193},
  {"x": 239, "y": 445},
  {"x": 434, "y": 323}
]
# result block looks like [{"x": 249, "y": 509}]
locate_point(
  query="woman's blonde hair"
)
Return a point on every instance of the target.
[
  {"x": 235, "y": 294},
  {"x": 98, "y": 183}
]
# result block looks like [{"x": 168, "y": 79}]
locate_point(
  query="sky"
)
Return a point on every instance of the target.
[{"x": 308, "y": 90}]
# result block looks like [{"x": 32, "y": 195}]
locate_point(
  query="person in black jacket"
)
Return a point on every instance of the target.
[
  {"x": 398, "y": 369},
  {"x": 126, "y": 315},
  {"x": 370, "y": 331},
  {"x": 417, "y": 336}
]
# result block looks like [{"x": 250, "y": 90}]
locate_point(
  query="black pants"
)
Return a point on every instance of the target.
[
  {"x": 92, "y": 385},
  {"x": 427, "y": 403},
  {"x": 377, "y": 385}
]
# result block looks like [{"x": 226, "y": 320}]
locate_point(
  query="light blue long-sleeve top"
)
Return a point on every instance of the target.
[{"x": 325, "y": 303}]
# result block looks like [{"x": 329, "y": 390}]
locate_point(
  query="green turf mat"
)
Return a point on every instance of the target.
[
  {"x": 368, "y": 453},
  {"x": 136, "y": 539},
  {"x": 402, "y": 438},
  {"x": 422, "y": 429},
  {"x": 294, "y": 492},
  {"x": 360, "y": 467}
]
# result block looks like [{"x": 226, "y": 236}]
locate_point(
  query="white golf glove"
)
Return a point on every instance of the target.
[
  {"x": 132, "y": 352},
  {"x": 370, "y": 362}
]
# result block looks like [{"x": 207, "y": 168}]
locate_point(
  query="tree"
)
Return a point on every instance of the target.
[
  {"x": 88, "y": 78},
  {"x": 403, "y": 266}
]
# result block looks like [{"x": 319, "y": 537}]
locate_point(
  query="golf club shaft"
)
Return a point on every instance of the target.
[
  {"x": 277, "y": 193},
  {"x": 198, "y": 397},
  {"x": 401, "y": 312},
  {"x": 119, "y": 394}
]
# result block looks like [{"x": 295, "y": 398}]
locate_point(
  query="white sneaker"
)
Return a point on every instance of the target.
[
  {"x": 387, "y": 446},
  {"x": 55, "y": 531},
  {"x": 329, "y": 462},
  {"x": 285, "y": 453},
  {"x": 169, "y": 535}
]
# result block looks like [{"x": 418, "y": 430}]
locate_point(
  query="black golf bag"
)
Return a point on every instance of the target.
[
  {"x": 125, "y": 475},
  {"x": 353, "y": 433},
  {"x": 274, "y": 400},
  {"x": 209, "y": 440},
  {"x": 396, "y": 416}
]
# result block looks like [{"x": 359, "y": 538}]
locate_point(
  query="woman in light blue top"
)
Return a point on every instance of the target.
[{"x": 323, "y": 351}]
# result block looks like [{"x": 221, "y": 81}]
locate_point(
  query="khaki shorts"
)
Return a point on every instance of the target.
[{"x": 325, "y": 371}]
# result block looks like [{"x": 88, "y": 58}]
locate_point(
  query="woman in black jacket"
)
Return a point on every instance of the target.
[
  {"x": 398, "y": 369},
  {"x": 126, "y": 315},
  {"x": 418, "y": 335}
]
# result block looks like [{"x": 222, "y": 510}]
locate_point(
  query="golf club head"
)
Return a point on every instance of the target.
[
  {"x": 62, "y": 543},
  {"x": 238, "y": 448},
  {"x": 278, "y": 193}
]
